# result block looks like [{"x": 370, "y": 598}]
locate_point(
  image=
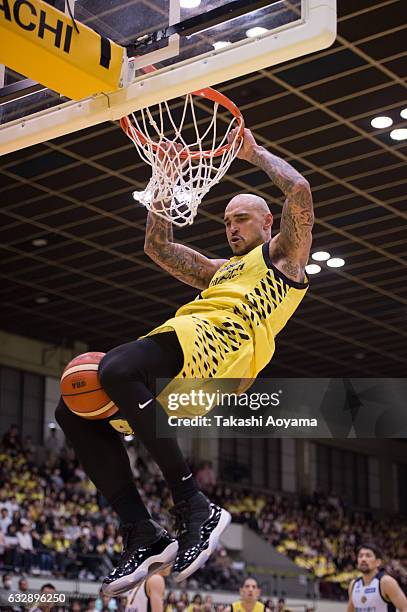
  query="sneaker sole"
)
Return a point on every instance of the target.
[
  {"x": 150, "y": 566},
  {"x": 224, "y": 521}
]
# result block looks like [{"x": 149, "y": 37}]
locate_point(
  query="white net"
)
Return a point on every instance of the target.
[{"x": 189, "y": 148}]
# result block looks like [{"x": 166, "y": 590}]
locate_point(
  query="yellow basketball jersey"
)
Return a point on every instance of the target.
[
  {"x": 251, "y": 288},
  {"x": 237, "y": 606},
  {"x": 229, "y": 330}
]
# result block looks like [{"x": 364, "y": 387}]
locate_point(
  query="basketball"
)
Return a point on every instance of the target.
[{"x": 81, "y": 388}]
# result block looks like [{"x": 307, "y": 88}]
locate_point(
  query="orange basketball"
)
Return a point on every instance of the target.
[{"x": 81, "y": 388}]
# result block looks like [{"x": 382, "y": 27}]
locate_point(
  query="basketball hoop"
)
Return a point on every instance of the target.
[{"x": 188, "y": 149}]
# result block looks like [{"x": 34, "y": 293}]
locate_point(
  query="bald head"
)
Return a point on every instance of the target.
[
  {"x": 248, "y": 222},
  {"x": 248, "y": 199}
]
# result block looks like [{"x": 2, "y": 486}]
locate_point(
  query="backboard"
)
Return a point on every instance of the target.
[{"x": 219, "y": 41}]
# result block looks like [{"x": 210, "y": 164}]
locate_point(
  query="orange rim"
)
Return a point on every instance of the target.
[{"x": 210, "y": 94}]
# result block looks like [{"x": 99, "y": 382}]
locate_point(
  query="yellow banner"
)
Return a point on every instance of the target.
[{"x": 42, "y": 43}]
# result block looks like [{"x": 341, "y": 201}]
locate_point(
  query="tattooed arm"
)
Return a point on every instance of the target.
[
  {"x": 184, "y": 263},
  {"x": 187, "y": 265},
  {"x": 297, "y": 217},
  {"x": 293, "y": 243}
]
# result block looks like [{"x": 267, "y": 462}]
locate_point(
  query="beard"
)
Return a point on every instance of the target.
[{"x": 242, "y": 247}]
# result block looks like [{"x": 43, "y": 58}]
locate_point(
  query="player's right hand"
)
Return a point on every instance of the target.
[{"x": 248, "y": 146}]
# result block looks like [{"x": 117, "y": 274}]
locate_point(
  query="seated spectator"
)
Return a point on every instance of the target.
[
  {"x": 5, "y": 520},
  {"x": 60, "y": 545},
  {"x": 56, "y": 478},
  {"x": 23, "y": 585},
  {"x": 73, "y": 530},
  {"x": 25, "y": 549},
  {"x": 6, "y": 582},
  {"x": 11, "y": 544}
]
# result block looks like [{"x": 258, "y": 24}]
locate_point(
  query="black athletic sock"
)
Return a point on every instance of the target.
[
  {"x": 123, "y": 502},
  {"x": 100, "y": 450},
  {"x": 183, "y": 489},
  {"x": 128, "y": 374}
]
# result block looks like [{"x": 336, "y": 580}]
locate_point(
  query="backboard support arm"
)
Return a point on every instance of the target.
[{"x": 199, "y": 23}]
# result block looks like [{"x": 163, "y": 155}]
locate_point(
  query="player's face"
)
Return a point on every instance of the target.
[
  {"x": 247, "y": 225},
  {"x": 367, "y": 561},
  {"x": 249, "y": 591}
]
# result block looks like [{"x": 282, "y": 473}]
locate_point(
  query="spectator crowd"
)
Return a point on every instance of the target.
[
  {"x": 172, "y": 603},
  {"x": 320, "y": 534},
  {"x": 53, "y": 522}
]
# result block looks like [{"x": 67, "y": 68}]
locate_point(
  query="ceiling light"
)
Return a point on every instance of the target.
[
  {"x": 39, "y": 242},
  {"x": 190, "y": 3},
  {"x": 400, "y": 134},
  {"x": 253, "y": 32},
  {"x": 404, "y": 113},
  {"x": 42, "y": 299},
  {"x": 321, "y": 256},
  {"x": 335, "y": 262},
  {"x": 381, "y": 122},
  {"x": 312, "y": 269},
  {"x": 129, "y": 438},
  {"x": 221, "y": 44}
]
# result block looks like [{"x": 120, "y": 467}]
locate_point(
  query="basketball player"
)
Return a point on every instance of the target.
[
  {"x": 228, "y": 331},
  {"x": 374, "y": 590},
  {"x": 249, "y": 598},
  {"x": 149, "y": 595}
]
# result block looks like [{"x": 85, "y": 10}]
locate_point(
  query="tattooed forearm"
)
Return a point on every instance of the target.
[
  {"x": 184, "y": 263},
  {"x": 297, "y": 217},
  {"x": 280, "y": 172},
  {"x": 158, "y": 230}
]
